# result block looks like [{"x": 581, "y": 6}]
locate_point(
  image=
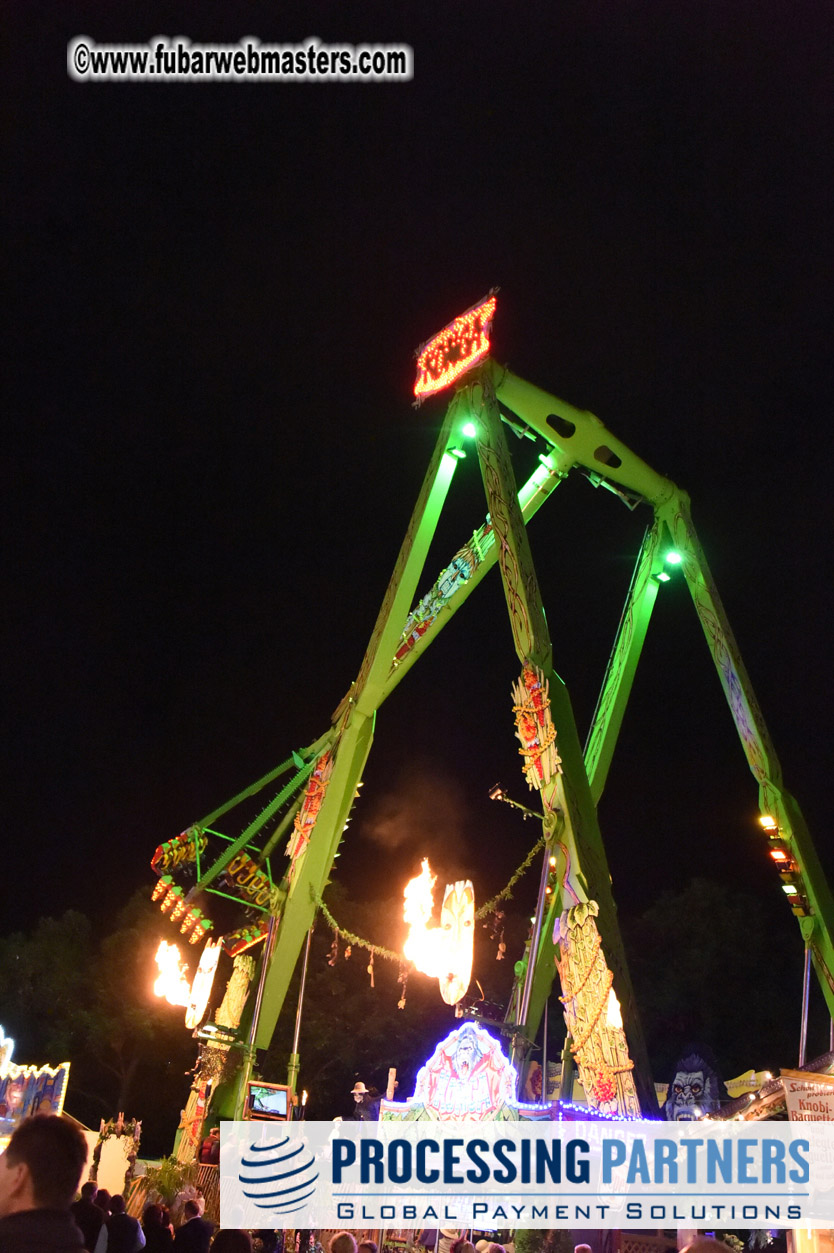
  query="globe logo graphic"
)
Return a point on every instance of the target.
[{"x": 278, "y": 1177}]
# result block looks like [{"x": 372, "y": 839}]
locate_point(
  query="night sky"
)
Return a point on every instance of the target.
[{"x": 211, "y": 454}]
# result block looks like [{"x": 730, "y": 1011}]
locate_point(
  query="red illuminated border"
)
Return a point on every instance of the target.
[{"x": 455, "y": 349}]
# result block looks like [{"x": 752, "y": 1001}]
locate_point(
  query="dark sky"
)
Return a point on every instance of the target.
[{"x": 216, "y": 291}]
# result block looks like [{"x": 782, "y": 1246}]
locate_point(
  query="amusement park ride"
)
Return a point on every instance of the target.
[{"x": 575, "y": 932}]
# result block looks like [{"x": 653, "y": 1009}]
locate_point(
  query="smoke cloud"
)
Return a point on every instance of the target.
[{"x": 425, "y": 812}]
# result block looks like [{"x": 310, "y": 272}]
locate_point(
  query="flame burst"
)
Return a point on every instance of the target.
[
  {"x": 445, "y": 952},
  {"x": 424, "y": 945},
  {"x": 172, "y": 983}
]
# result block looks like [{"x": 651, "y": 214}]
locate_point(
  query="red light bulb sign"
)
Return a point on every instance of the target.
[{"x": 454, "y": 350}]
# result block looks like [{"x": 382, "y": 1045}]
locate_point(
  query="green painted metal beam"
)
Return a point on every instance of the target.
[
  {"x": 300, "y": 906},
  {"x": 279, "y": 832},
  {"x": 353, "y": 726},
  {"x": 370, "y": 684},
  {"x": 294, "y": 760},
  {"x": 566, "y": 800},
  {"x": 579, "y": 436},
  {"x": 254, "y": 827},
  {"x": 622, "y": 664},
  {"x": 817, "y": 919},
  {"x": 539, "y": 487}
]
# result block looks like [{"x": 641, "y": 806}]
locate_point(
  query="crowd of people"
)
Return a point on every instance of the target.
[
  {"x": 449, "y": 1240},
  {"x": 107, "y": 1228},
  {"x": 41, "y": 1210}
]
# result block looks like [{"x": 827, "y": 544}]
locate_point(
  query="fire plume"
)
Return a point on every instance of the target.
[
  {"x": 172, "y": 982},
  {"x": 445, "y": 952},
  {"x": 424, "y": 945}
]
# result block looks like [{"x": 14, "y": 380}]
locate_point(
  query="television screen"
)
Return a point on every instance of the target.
[{"x": 267, "y": 1101}]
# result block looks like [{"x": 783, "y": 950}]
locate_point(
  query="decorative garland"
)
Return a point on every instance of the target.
[
  {"x": 377, "y": 950},
  {"x": 489, "y": 906},
  {"x": 374, "y": 949}
]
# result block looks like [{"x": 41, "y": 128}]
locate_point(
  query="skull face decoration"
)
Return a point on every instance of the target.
[{"x": 457, "y": 922}]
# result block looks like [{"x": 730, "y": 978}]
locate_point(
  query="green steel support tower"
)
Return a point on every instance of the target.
[{"x": 578, "y": 935}]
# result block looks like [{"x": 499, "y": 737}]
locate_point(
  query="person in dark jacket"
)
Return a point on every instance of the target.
[
  {"x": 88, "y": 1215},
  {"x": 39, "y": 1176},
  {"x": 124, "y": 1235},
  {"x": 158, "y": 1235},
  {"x": 195, "y": 1234}
]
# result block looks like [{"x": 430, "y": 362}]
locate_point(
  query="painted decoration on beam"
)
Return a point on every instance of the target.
[
  {"x": 444, "y": 952},
  {"x": 454, "y": 350},
  {"x": 592, "y": 1013},
  {"x": 306, "y": 817},
  {"x": 27, "y": 1090},
  {"x": 534, "y": 727},
  {"x": 459, "y": 571}
]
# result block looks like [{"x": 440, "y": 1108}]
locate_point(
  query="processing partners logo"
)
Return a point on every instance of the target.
[
  {"x": 278, "y": 1177},
  {"x": 542, "y": 1174}
]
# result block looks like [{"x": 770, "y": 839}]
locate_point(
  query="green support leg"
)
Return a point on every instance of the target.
[
  {"x": 813, "y": 904},
  {"x": 585, "y": 874},
  {"x": 353, "y": 727},
  {"x": 622, "y": 665}
]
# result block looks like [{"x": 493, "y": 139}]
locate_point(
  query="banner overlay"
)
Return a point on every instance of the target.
[{"x": 485, "y": 1175}]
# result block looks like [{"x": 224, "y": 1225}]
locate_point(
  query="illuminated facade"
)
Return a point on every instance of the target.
[{"x": 26, "y": 1090}]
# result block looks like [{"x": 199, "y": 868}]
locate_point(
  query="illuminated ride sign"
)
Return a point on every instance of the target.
[
  {"x": 26, "y": 1090},
  {"x": 468, "y": 1079},
  {"x": 454, "y": 350}
]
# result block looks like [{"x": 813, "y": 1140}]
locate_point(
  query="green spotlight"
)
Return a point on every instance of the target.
[
  {"x": 673, "y": 558},
  {"x": 662, "y": 576},
  {"x": 468, "y": 429}
]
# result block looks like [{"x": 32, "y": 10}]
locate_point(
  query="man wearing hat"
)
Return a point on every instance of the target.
[{"x": 366, "y": 1108}]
